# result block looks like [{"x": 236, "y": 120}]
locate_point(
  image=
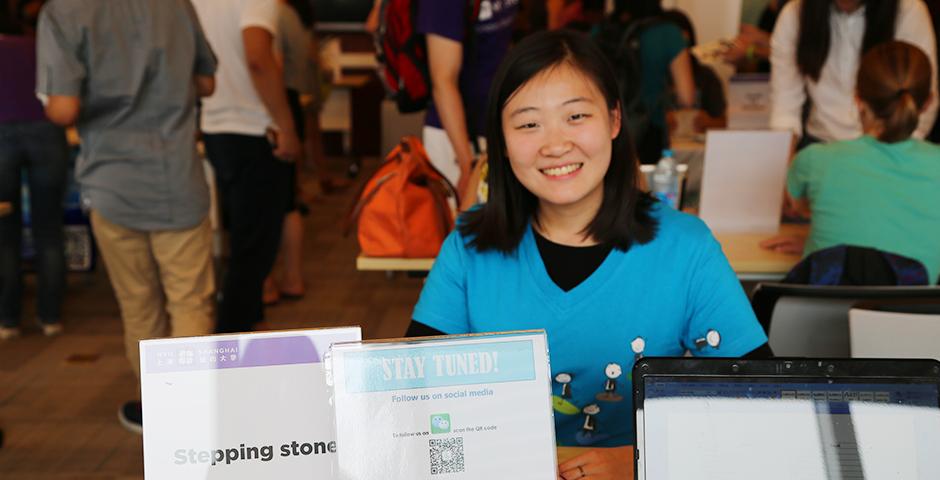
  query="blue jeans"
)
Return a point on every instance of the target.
[{"x": 41, "y": 150}]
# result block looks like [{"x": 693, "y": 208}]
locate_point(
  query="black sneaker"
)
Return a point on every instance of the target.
[{"x": 131, "y": 415}]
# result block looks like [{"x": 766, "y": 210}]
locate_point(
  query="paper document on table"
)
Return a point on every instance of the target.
[
  {"x": 743, "y": 180},
  {"x": 463, "y": 407},
  {"x": 241, "y": 406}
]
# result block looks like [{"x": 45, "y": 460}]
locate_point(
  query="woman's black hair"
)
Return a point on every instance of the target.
[
  {"x": 624, "y": 215},
  {"x": 682, "y": 21},
  {"x": 812, "y": 47}
]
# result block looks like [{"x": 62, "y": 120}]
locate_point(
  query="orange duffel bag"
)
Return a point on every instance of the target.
[{"x": 404, "y": 210}]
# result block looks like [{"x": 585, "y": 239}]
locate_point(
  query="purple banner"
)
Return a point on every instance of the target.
[{"x": 236, "y": 353}]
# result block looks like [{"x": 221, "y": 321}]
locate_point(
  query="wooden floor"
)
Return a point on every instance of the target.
[{"x": 59, "y": 397}]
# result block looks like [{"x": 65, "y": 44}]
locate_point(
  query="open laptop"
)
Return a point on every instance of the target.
[{"x": 787, "y": 419}]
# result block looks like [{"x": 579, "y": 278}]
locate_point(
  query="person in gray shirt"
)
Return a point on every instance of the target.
[{"x": 128, "y": 74}]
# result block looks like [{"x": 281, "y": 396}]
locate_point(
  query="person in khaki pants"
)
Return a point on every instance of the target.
[
  {"x": 163, "y": 280},
  {"x": 128, "y": 73}
]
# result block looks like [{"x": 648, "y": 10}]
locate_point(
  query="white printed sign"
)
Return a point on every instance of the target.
[
  {"x": 463, "y": 407},
  {"x": 244, "y": 406},
  {"x": 743, "y": 180}
]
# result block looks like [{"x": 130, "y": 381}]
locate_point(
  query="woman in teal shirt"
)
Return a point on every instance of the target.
[
  {"x": 568, "y": 243},
  {"x": 882, "y": 190}
]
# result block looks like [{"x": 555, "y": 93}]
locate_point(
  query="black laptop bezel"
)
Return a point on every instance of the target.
[{"x": 874, "y": 370}]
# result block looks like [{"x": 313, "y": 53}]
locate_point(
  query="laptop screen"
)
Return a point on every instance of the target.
[{"x": 788, "y": 428}]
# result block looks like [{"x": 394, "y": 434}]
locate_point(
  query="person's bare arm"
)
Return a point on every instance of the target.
[
  {"x": 796, "y": 206},
  {"x": 445, "y": 57},
  {"x": 601, "y": 463},
  {"x": 705, "y": 122},
  {"x": 205, "y": 85},
  {"x": 62, "y": 110},
  {"x": 681, "y": 71},
  {"x": 269, "y": 83},
  {"x": 372, "y": 21}
]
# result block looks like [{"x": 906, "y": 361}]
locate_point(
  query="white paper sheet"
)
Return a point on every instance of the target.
[
  {"x": 743, "y": 180},
  {"x": 239, "y": 407},
  {"x": 464, "y": 408}
]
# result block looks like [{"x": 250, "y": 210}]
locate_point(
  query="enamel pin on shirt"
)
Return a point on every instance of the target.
[
  {"x": 589, "y": 434},
  {"x": 565, "y": 380},
  {"x": 711, "y": 339},
  {"x": 638, "y": 345},
  {"x": 613, "y": 372},
  {"x": 589, "y": 423}
]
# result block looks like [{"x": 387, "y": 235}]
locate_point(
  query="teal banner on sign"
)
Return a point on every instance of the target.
[{"x": 439, "y": 366}]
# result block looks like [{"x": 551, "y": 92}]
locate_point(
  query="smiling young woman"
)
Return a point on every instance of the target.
[
  {"x": 568, "y": 243},
  {"x": 558, "y": 131}
]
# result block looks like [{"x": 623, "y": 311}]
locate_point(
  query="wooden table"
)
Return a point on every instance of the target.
[
  {"x": 743, "y": 250},
  {"x": 364, "y": 263},
  {"x": 753, "y": 263}
]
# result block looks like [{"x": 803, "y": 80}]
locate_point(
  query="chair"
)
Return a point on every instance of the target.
[
  {"x": 895, "y": 330},
  {"x": 812, "y": 321}
]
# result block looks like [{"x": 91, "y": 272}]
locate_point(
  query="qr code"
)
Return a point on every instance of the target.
[{"x": 446, "y": 455}]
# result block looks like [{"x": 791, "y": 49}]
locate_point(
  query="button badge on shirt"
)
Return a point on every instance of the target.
[
  {"x": 561, "y": 403},
  {"x": 638, "y": 345},
  {"x": 711, "y": 339},
  {"x": 613, "y": 372}
]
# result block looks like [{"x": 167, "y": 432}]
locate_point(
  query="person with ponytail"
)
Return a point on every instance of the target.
[
  {"x": 815, "y": 52},
  {"x": 880, "y": 190}
]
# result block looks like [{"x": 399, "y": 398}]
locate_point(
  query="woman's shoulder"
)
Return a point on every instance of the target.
[
  {"x": 789, "y": 17},
  {"x": 925, "y": 147},
  {"x": 678, "y": 227},
  {"x": 837, "y": 150},
  {"x": 849, "y": 150},
  {"x": 461, "y": 243}
]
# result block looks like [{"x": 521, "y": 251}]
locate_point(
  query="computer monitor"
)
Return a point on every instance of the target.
[{"x": 787, "y": 419}]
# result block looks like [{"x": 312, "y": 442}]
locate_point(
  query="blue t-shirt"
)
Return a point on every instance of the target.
[
  {"x": 670, "y": 293},
  {"x": 493, "y": 33}
]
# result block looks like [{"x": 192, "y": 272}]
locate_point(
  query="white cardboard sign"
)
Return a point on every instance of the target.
[
  {"x": 243, "y": 406},
  {"x": 463, "y": 407},
  {"x": 743, "y": 180}
]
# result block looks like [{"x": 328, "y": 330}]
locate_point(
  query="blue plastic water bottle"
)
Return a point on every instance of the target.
[{"x": 666, "y": 180}]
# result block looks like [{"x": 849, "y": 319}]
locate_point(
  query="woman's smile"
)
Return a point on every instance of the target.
[{"x": 562, "y": 172}]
